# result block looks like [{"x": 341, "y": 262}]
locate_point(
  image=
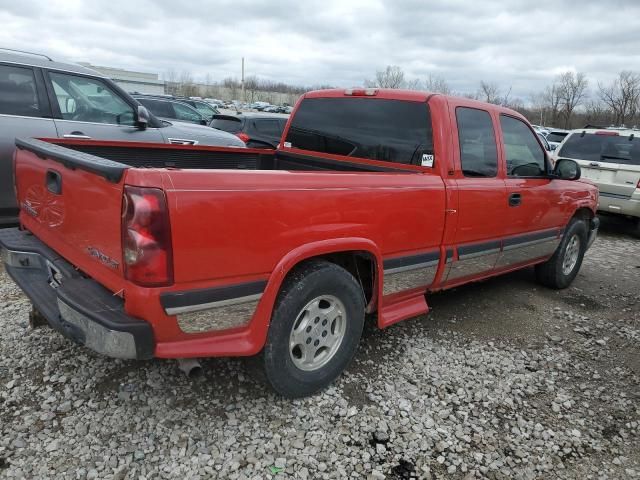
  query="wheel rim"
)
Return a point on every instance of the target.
[
  {"x": 571, "y": 254},
  {"x": 317, "y": 333}
]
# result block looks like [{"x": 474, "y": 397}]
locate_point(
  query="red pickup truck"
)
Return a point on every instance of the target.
[{"x": 373, "y": 199}]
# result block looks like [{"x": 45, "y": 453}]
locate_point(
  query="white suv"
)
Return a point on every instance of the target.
[{"x": 611, "y": 159}]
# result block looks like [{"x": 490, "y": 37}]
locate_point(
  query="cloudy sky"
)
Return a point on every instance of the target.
[{"x": 515, "y": 43}]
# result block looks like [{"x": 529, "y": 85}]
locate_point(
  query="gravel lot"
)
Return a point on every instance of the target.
[{"x": 504, "y": 379}]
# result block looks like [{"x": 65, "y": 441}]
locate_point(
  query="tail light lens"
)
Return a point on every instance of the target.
[
  {"x": 146, "y": 237},
  {"x": 243, "y": 136}
]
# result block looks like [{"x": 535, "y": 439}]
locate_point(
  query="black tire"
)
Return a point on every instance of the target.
[
  {"x": 309, "y": 281},
  {"x": 550, "y": 273},
  {"x": 636, "y": 229}
]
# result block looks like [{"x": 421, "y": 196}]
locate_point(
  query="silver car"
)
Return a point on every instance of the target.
[
  {"x": 611, "y": 159},
  {"x": 43, "y": 98}
]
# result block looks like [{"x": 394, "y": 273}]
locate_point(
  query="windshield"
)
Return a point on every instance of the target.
[
  {"x": 378, "y": 129},
  {"x": 602, "y": 148},
  {"x": 556, "y": 136}
]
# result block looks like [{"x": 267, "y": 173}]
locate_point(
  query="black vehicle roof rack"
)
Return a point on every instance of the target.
[{"x": 28, "y": 53}]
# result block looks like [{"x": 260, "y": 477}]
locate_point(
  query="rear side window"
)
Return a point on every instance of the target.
[
  {"x": 231, "y": 125},
  {"x": 525, "y": 157},
  {"x": 18, "y": 92},
  {"x": 606, "y": 148},
  {"x": 272, "y": 128},
  {"x": 378, "y": 129},
  {"x": 477, "y": 140}
]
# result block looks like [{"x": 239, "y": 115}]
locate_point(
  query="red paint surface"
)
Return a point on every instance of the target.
[{"x": 236, "y": 226}]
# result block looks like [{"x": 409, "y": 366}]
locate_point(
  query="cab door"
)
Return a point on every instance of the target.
[
  {"x": 537, "y": 205},
  {"x": 482, "y": 200}
]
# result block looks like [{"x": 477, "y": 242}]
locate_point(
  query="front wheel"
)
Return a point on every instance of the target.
[
  {"x": 315, "y": 329},
  {"x": 561, "y": 269}
]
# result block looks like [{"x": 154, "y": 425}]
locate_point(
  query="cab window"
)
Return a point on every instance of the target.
[
  {"x": 477, "y": 141},
  {"x": 525, "y": 157}
]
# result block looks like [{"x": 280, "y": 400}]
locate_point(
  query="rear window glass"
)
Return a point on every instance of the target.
[
  {"x": 18, "y": 91},
  {"x": 602, "y": 148},
  {"x": 556, "y": 136},
  {"x": 227, "y": 124},
  {"x": 378, "y": 129},
  {"x": 269, "y": 127}
]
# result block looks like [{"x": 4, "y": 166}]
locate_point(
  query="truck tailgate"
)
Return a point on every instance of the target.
[{"x": 72, "y": 202}]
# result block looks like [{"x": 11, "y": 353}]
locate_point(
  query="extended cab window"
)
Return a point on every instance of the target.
[
  {"x": 378, "y": 129},
  {"x": 18, "y": 92},
  {"x": 525, "y": 157},
  {"x": 477, "y": 140}
]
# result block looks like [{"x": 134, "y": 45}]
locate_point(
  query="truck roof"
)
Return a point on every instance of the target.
[
  {"x": 406, "y": 95},
  {"x": 37, "y": 60}
]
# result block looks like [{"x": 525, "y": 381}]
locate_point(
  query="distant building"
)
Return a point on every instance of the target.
[{"x": 131, "y": 81}]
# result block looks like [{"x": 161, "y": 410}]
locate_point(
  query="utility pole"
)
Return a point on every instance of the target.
[{"x": 242, "y": 82}]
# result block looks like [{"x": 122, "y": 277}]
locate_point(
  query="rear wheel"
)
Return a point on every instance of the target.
[
  {"x": 560, "y": 270},
  {"x": 315, "y": 329}
]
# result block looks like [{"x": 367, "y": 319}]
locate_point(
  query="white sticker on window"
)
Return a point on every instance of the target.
[
  {"x": 287, "y": 144},
  {"x": 427, "y": 160}
]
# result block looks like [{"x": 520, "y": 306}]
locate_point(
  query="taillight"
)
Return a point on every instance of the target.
[
  {"x": 146, "y": 237},
  {"x": 243, "y": 136}
]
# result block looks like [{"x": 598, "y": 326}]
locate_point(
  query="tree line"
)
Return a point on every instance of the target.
[{"x": 568, "y": 101}]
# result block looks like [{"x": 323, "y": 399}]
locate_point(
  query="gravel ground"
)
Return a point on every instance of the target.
[{"x": 503, "y": 379}]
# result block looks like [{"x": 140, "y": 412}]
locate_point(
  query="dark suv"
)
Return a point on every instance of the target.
[
  {"x": 43, "y": 98},
  {"x": 257, "y": 130}
]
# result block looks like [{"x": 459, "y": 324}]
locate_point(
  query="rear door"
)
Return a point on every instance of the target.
[
  {"x": 24, "y": 113},
  {"x": 89, "y": 108},
  {"x": 482, "y": 199}
]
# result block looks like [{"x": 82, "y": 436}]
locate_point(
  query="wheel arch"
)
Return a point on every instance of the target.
[{"x": 353, "y": 254}]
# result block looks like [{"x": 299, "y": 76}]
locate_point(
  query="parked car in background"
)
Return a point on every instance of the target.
[
  {"x": 204, "y": 108},
  {"x": 375, "y": 199},
  {"x": 611, "y": 159},
  {"x": 257, "y": 130},
  {"x": 43, "y": 98},
  {"x": 555, "y": 137},
  {"x": 541, "y": 129},
  {"x": 544, "y": 142},
  {"x": 167, "y": 108}
]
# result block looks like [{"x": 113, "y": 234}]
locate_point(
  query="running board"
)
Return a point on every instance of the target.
[{"x": 411, "y": 307}]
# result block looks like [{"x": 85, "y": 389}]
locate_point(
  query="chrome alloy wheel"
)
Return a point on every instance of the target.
[
  {"x": 317, "y": 333},
  {"x": 571, "y": 254}
]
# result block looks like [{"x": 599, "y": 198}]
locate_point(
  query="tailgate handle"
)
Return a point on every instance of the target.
[{"x": 53, "y": 181}]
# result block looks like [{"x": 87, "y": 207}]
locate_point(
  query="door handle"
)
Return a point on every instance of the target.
[
  {"x": 77, "y": 134},
  {"x": 53, "y": 181},
  {"x": 515, "y": 199}
]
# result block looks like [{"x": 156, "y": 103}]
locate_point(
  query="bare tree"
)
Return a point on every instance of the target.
[
  {"x": 489, "y": 92},
  {"x": 572, "y": 92},
  {"x": 622, "y": 96},
  {"x": 232, "y": 85},
  {"x": 391, "y": 77},
  {"x": 437, "y": 84},
  {"x": 170, "y": 78},
  {"x": 551, "y": 100}
]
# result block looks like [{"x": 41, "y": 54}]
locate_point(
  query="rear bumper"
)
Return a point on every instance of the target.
[{"x": 78, "y": 307}]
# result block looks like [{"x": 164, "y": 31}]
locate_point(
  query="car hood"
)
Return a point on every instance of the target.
[{"x": 191, "y": 132}]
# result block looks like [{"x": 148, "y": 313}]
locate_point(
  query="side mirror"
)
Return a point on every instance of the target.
[
  {"x": 552, "y": 147},
  {"x": 142, "y": 117},
  {"x": 70, "y": 105},
  {"x": 204, "y": 122},
  {"x": 566, "y": 169}
]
